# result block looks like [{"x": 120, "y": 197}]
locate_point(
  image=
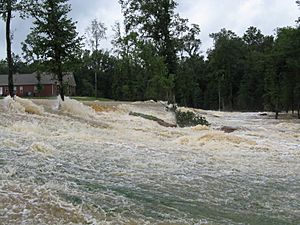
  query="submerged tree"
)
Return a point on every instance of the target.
[{"x": 53, "y": 40}]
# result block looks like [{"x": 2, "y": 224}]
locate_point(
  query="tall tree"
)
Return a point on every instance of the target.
[
  {"x": 157, "y": 22},
  {"x": 8, "y": 17},
  {"x": 53, "y": 40},
  {"x": 190, "y": 42},
  {"x": 252, "y": 82},
  {"x": 7, "y": 7},
  {"x": 287, "y": 56},
  {"x": 226, "y": 64},
  {"x": 94, "y": 34},
  {"x": 190, "y": 74}
]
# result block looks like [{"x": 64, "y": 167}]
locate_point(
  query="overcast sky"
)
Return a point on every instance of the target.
[{"x": 211, "y": 15}]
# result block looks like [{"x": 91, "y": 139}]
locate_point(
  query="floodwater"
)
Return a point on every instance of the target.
[{"x": 96, "y": 164}]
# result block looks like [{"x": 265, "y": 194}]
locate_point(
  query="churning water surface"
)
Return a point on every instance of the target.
[{"x": 96, "y": 164}]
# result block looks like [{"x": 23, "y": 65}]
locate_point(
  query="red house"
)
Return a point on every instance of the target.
[{"x": 30, "y": 85}]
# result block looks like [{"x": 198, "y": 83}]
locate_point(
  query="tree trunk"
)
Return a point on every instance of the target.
[
  {"x": 219, "y": 94},
  {"x": 61, "y": 83},
  {"x": 277, "y": 109},
  {"x": 96, "y": 84},
  {"x": 61, "y": 88},
  {"x": 8, "y": 50},
  {"x": 149, "y": 117}
]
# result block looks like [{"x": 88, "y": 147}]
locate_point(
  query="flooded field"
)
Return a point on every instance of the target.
[{"x": 96, "y": 164}]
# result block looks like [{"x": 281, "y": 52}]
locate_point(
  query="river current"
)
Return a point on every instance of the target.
[{"x": 93, "y": 163}]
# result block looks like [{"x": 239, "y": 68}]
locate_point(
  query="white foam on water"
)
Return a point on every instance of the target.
[
  {"x": 29, "y": 106},
  {"x": 28, "y": 204},
  {"x": 27, "y": 128},
  {"x": 10, "y": 143},
  {"x": 12, "y": 106},
  {"x": 200, "y": 128},
  {"x": 140, "y": 172},
  {"x": 74, "y": 107},
  {"x": 42, "y": 148},
  {"x": 20, "y": 105},
  {"x": 214, "y": 140}
]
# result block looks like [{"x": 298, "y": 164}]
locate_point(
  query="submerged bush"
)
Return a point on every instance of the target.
[{"x": 189, "y": 119}]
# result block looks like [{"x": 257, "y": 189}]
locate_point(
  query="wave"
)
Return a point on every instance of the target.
[
  {"x": 74, "y": 107},
  {"x": 20, "y": 105}
]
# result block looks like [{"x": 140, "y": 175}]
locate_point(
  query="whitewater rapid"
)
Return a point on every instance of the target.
[{"x": 93, "y": 163}]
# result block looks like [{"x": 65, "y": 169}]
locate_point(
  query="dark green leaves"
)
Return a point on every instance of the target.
[{"x": 189, "y": 119}]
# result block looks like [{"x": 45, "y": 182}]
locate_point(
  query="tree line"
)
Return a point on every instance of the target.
[{"x": 157, "y": 55}]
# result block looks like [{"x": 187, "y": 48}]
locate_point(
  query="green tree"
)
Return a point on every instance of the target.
[
  {"x": 53, "y": 40},
  {"x": 190, "y": 82},
  {"x": 84, "y": 75},
  {"x": 226, "y": 63},
  {"x": 3, "y": 67},
  {"x": 95, "y": 32},
  {"x": 7, "y": 8},
  {"x": 154, "y": 78},
  {"x": 191, "y": 42},
  {"x": 272, "y": 86},
  {"x": 126, "y": 67},
  {"x": 251, "y": 91},
  {"x": 157, "y": 22},
  {"x": 287, "y": 58}
]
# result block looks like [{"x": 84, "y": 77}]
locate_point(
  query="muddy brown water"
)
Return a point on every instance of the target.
[{"x": 75, "y": 165}]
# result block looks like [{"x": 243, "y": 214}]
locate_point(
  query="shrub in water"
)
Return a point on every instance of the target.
[{"x": 189, "y": 119}]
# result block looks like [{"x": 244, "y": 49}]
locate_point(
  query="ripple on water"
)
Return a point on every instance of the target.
[{"x": 137, "y": 172}]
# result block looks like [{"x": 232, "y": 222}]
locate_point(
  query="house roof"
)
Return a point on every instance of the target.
[{"x": 30, "y": 79}]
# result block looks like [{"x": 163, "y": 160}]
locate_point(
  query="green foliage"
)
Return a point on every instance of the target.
[
  {"x": 251, "y": 91},
  {"x": 190, "y": 82},
  {"x": 189, "y": 119},
  {"x": 286, "y": 56},
  {"x": 191, "y": 42},
  {"x": 157, "y": 23},
  {"x": 226, "y": 63},
  {"x": 7, "y": 8},
  {"x": 3, "y": 67},
  {"x": 157, "y": 56},
  {"x": 53, "y": 40}
]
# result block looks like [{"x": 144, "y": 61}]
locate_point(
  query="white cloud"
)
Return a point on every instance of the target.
[{"x": 238, "y": 15}]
